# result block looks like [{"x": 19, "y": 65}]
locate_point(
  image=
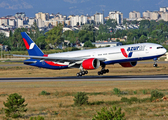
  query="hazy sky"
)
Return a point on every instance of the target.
[{"x": 67, "y": 7}]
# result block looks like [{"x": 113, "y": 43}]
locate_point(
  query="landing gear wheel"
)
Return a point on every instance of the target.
[
  {"x": 100, "y": 73},
  {"x": 82, "y": 73},
  {"x": 86, "y": 72},
  {"x": 103, "y": 71},
  {"x": 107, "y": 70},
  {"x": 77, "y": 74},
  {"x": 155, "y": 65}
]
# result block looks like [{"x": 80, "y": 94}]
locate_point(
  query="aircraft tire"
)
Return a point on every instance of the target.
[
  {"x": 83, "y": 72},
  {"x": 86, "y": 72},
  {"x": 77, "y": 74},
  {"x": 155, "y": 65},
  {"x": 107, "y": 70}
]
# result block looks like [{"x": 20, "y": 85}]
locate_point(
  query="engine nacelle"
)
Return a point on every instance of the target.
[
  {"x": 128, "y": 64},
  {"x": 91, "y": 63}
]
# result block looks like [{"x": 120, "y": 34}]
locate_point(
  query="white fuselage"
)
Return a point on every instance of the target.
[{"x": 141, "y": 51}]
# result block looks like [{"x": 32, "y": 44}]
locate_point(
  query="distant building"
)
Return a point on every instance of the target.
[
  {"x": 20, "y": 15},
  {"x": 116, "y": 15},
  {"x": 134, "y": 15},
  {"x": 42, "y": 16},
  {"x": 164, "y": 16},
  {"x": 31, "y": 21},
  {"x": 4, "y": 21},
  {"x": 78, "y": 20},
  {"x": 99, "y": 18},
  {"x": 12, "y": 22},
  {"x": 6, "y": 32},
  {"x": 163, "y": 9},
  {"x": 40, "y": 23},
  {"x": 19, "y": 23},
  {"x": 155, "y": 16},
  {"x": 147, "y": 14}
]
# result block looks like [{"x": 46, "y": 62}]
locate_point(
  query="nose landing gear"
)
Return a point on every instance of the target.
[{"x": 155, "y": 62}]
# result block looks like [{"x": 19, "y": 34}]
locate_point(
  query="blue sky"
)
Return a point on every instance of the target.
[{"x": 67, "y": 7}]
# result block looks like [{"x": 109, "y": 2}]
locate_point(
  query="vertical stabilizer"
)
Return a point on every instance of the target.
[{"x": 31, "y": 47}]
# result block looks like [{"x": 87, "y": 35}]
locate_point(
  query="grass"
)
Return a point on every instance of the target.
[
  {"x": 99, "y": 93},
  {"x": 59, "y": 104}
]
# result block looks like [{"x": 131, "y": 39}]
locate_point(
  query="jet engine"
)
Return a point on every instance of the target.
[
  {"x": 91, "y": 63},
  {"x": 128, "y": 64}
]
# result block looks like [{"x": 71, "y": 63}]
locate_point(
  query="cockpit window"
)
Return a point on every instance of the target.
[{"x": 159, "y": 47}]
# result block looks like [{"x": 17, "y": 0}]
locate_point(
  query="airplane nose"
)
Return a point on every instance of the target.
[{"x": 164, "y": 50}]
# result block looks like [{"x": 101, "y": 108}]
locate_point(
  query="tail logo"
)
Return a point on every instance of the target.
[
  {"x": 31, "y": 46},
  {"x": 27, "y": 45},
  {"x": 125, "y": 54}
]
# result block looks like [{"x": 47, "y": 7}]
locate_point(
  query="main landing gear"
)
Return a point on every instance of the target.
[
  {"x": 82, "y": 73},
  {"x": 155, "y": 62},
  {"x": 103, "y": 70}
]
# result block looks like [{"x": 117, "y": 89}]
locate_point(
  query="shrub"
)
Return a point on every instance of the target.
[
  {"x": 37, "y": 118},
  {"x": 44, "y": 93},
  {"x": 135, "y": 92},
  {"x": 111, "y": 114},
  {"x": 124, "y": 99},
  {"x": 144, "y": 91},
  {"x": 116, "y": 91},
  {"x": 155, "y": 95},
  {"x": 15, "y": 106},
  {"x": 134, "y": 99},
  {"x": 80, "y": 98}
]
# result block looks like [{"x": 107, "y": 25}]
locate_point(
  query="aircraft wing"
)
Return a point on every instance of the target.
[{"x": 62, "y": 59}]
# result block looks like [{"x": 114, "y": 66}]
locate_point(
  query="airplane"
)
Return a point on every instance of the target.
[{"x": 91, "y": 59}]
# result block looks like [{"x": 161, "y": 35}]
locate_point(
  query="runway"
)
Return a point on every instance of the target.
[{"x": 88, "y": 78}]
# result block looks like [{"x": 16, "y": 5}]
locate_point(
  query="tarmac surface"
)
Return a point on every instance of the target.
[{"x": 88, "y": 78}]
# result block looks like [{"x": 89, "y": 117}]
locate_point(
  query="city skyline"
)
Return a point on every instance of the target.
[{"x": 78, "y": 7}]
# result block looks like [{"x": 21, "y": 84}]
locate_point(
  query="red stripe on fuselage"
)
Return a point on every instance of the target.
[
  {"x": 124, "y": 52},
  {"x": 53, "y": 64},
  {"x": 45, "y": 55},
  {"x": 50, "y": 62},
  {"x": 26, "y": 44}
]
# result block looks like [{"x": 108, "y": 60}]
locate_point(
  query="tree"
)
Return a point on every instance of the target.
[
  {"x": 54, "y": 36},
  {"x": 15, "y": 106},
  {"x": 142, "y": 39},
  {"x": 88, "y": 27},
  {"x": 2, "y": 38},
  {"x": 34, "y": 32},
  {"x": 84, "y": 36},
  {"x": 70, "y": 35},
  {"x": 103, "y": 28},
  {"x": 111, "y": 23},
  {"x": 88, "y": 44},
  {"x": 41, "y": 42},
  {"x": 16, "y": 41}
]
